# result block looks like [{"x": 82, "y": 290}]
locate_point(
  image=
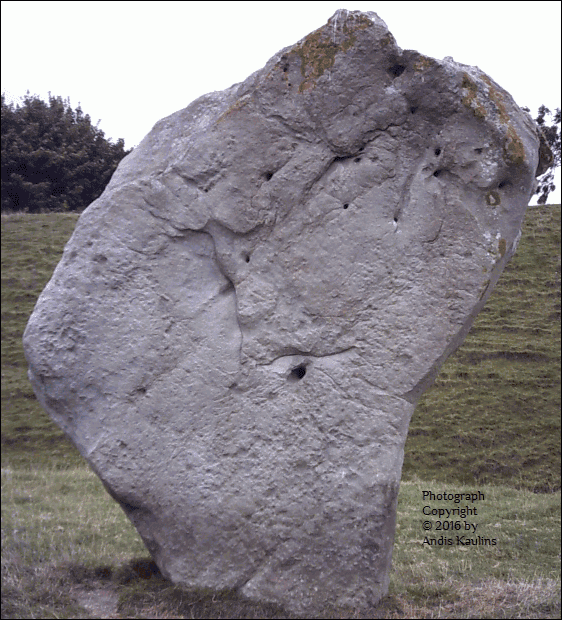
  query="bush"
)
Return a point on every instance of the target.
[{"x": 53, "y": 158}]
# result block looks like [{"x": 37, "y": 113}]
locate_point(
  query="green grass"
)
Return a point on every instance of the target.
[
  {"x": 61, "y": 533},
  {"x": 493, "y": 414},
  {"x": 31, "y": 247},
  {"x": 491, "y": 421}
]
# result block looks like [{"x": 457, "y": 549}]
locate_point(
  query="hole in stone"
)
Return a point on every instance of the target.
[
  {"x": 437, "y": 173},
  {"x": 413, "y": 109},
  {"x": 503, "y": 184},
  {"x": 268, "y": 175},
  {"x": 478, "y": 151},
  {"x": 357, "y": 160},
  {"x": 437, "y": 152},
  {"x": 397, "y": 70},
  {"x": 346, "y": 205},
  {"x": 247, "y": 258},
  {"x": 298, "y": 372},
  {"x": 396, "y": 220}
]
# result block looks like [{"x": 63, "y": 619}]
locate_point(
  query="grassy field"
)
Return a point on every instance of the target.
[
  {"x": 65, "y": 540},
  {"x": 490, "y": 423},
  {"x": 493, "y": 414}
]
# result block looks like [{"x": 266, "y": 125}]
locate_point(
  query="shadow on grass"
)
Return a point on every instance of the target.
[{"x": 136, "y": 589}]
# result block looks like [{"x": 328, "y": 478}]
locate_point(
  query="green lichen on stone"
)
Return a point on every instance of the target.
[
  {"x": 493, "y": 198},
  {"x": 318, "y": 51}
]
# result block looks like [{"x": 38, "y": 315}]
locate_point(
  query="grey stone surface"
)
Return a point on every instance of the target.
[{"x": 241, "y": 325}]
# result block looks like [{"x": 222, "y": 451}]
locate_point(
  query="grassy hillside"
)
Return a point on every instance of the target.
[
  {"x": 492, "y": 416},
  {"x": 32, "y": 246}
]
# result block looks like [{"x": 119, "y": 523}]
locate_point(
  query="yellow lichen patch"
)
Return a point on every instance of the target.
[
  {"x": 316, "y": 56},
  {"x": 318, "y": 51},
  {"x": 497, "y": 98},
  {"x": 513, "y": 150},
  {"x": 237, "y": 105},
  {"x": 493, "y": 198},
  {"x": 423, "y": 63},
  {"x": 387, "y": 40},
  {"x": 470, "y": 100},
  {"x": 502, "y": 247}
]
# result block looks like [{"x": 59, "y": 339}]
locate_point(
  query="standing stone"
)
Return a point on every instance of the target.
[{"x": 241, "y": 325}]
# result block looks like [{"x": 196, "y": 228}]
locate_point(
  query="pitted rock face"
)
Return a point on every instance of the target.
[{"x": 242, "y": 324}]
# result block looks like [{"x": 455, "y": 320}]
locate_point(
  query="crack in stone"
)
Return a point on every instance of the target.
[
  {"x": 434, "y": 239},
  {"x": 308, "y": 354}
]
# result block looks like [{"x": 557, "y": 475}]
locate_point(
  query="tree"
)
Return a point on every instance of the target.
[
  {"x": 53, "y": 158},
  {"x": 549, "y": 126}
]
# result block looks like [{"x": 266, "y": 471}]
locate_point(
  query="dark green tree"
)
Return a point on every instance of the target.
[
  {"x": 549, "y": 125},
  {"x": 53, "y": 158}
]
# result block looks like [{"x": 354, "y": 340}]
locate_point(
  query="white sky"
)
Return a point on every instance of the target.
[{"x": 132, "y": 63}]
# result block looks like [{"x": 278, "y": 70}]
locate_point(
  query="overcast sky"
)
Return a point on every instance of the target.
[{"x": 129, "y": 64}]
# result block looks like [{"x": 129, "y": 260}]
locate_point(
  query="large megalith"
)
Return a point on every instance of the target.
[{"x": 241, "y": 325}]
